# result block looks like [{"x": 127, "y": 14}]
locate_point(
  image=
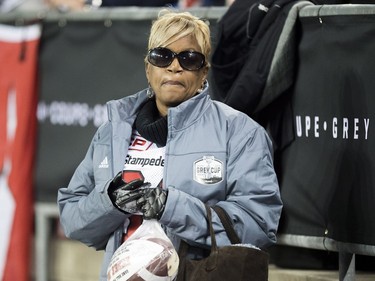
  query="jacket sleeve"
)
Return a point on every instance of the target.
[
  {"x": 86, "y": 212},
  {"x": 252, "y": 198}
]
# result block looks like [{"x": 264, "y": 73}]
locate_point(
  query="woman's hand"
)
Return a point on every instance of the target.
[
  {"x": 124, "y": 194},
  {"x": 152, "y": 202},
  {"x": 148, "y": 201}
]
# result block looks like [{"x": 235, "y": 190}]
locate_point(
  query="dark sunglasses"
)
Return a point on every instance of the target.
[{"x": 163, "y": 57}]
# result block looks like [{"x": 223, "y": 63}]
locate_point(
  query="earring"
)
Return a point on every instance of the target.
[
  {"x": 200, "y": 90},
  {"x": 150, "y": 92}
]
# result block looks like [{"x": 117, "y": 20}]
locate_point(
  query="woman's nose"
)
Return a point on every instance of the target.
[{"x": 175, "y": 66}]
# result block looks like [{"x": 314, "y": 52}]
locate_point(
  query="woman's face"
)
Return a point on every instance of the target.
[{"x": 173, "y": 84}]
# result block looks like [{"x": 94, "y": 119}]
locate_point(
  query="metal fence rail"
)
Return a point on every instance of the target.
[
  {"x": 118, "y": 13},
  {"x": 336, "y": 10}
]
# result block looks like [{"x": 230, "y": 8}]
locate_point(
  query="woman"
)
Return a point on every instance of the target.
[{"x": 184, "y": 149}]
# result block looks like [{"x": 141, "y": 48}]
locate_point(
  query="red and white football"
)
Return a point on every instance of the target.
[{"x": 151, "y": 259}]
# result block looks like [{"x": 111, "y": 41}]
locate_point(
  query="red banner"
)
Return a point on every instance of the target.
[{"x": 18, "y": 100}]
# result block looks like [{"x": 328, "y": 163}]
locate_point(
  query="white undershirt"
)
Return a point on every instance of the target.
[{"x": 146, "y": 157}]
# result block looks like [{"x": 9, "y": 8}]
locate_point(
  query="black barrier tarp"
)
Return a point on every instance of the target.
[
  {"x": 82, "y": 65},
  {"x": 327, "y": 174}
]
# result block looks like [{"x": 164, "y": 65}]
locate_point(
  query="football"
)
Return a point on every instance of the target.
[{"x": 149, "y": 259}]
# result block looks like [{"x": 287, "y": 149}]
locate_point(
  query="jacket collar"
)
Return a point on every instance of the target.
[
  {"x": 179, "y": 117},
  {"x": 188, "y": 112},
  {"x": 125, "y": 108}
]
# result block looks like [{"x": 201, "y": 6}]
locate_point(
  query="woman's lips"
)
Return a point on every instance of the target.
[{"x": 172, "y": 83}]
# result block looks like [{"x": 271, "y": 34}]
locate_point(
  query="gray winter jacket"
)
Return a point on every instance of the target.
[{"x": 214, "y": 155}]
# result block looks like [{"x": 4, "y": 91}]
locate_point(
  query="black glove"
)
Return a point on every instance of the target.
[
  {"x": 124, "y": 195},
  {"x": 152, "y": 202}
]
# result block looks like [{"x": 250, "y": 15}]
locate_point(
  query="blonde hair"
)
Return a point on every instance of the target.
[{"x": 171, "y": 26}]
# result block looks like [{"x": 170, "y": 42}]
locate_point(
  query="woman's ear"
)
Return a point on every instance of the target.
[
  {"x": 205, "y": 74},
  {"x": 147, "y": 70}
]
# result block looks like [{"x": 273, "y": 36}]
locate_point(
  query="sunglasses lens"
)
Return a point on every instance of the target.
[
  {"x": 163, "y": 57},
  {"x": 160, "y": 57},
  {"x": 191, "y": 60}
]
